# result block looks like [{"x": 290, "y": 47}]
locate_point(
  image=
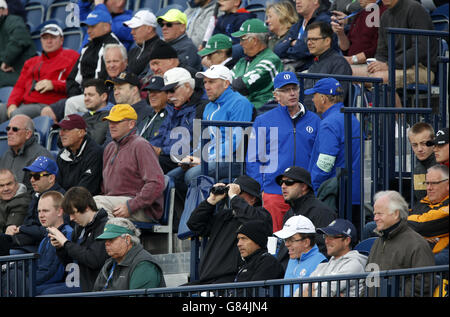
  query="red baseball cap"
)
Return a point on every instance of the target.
[{"x": 72, "y": 121}]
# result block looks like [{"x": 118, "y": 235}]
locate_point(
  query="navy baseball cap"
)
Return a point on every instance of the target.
[
  {"x": 156, "y": 83},
  {"x": 285, "y": 78},
  {"x": 326, "y": 86},
  {"x": 97, "y": 16},
  {"x": 339, "y": 227},
  {"x": 42, "y": 164}
]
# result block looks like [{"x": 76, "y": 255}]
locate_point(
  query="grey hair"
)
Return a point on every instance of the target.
[
  {"x": 395, "y": 202},
  {"x": 262, "y": 37},
  {"x": 126, "y": 223},
  {"x": 440, "y": 168},
  {"x": 190, "y": 81},
  {"x": 29, "y": 123},
  {"x": 122, "y": 49}
]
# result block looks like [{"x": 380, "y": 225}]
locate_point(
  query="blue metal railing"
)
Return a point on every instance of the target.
[
  {"x": 392, "y": 283},
  {"x": 18, "y": 275}
]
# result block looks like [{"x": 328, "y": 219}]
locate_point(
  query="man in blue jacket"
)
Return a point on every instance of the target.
[
  {"x": 288, "y": 133},
  {"x": 329, "y": 151}
]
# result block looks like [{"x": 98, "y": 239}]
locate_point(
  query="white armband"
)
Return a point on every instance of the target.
[{"x": 326, "y": 162}]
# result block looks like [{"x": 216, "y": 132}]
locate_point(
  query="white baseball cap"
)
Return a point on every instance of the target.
[
  {"x": 174, "y": 76},
  {"x": 52, "y": 29},
  {"x": 296, "y": 224},
  {"x": 216, "y": 71},
  {"x": 143, "y": 17},
  {"x": 3, "y": 4}
]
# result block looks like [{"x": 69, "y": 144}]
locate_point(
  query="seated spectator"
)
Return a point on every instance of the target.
[
  {"x": 298, "y": 234},
  {"x": 80, "y": 160},
  {"x": 280, "y": 16},
  {"x": 412, "y": 15},
  {"x": 225, "y": 105},
  {"x": 253, "y": 75},
  {"x": 218, "y": 51},
  {"x": 133, "y": 182},
  {"x": 42, "y": 80},
  {"x": 220, "y": 260},
  {"x": 23, "y": 148},
  {"x": 232, "y": 18},
  {"x": 360, "y": 42},
  {"x": 293, "y": 50},
  {"x": 287, "y": 146},
  {"x": 173, "y": 24},
  {"x": 16, "y": 46},
  {"x": 399, "y": 246},
  {"x": 26, "y": 237},
  {"x": 346, "y": 6},
  {"x": 83, "y": 249},
  {"x": 129, "y": 265},
  {"x": 118, "y": 14},
  {"x": 430, "y": 216},
  {"x": 259, "y": 265},
  {"x": 340, "y": 237},
  {"x": 440, "y": 146},
  {"x": 14, "y": 201},
  {"x": 157, "y": 98},
  {"x": 199, "y": 14},
  {"x": 96, "y": 101},
  {"x": 143, "y": 29},
  {"x": 181, "y": 111},
  {"x": 297, "y": 191}
]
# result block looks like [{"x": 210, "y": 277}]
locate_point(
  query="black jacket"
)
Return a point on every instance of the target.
[
  {"x": 83, "y": 168},
  {"x": 139, "y": 56},
  {"x": 320, "y": 215},
  {"x": 83, "y": 249},
  {"x": 260, "y": 266},
  {"x": 221, "y": 258}
]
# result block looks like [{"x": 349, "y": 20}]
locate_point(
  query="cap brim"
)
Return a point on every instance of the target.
[
  {"x": 310, "y": 91},
  {"x": 238, "y": 34},
  {"x": 329, "y": 231},
  {"x": 206, "y": 51},
  {"x": 33, "y": 169},
  {"x": 169, "y": 87},
  {"x": 284, "y": 234},
  {"x": 108, "y": 235}
]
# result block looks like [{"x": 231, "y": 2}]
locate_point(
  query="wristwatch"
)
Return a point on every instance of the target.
[{"x": 354, "y": 59}]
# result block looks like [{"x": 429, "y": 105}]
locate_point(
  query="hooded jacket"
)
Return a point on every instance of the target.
[{"x": 259, "y": 266}]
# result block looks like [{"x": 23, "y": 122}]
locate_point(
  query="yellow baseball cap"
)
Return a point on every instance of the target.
[
  {"x": 121, "y": 112},
  {"x": 173, "y": 15}
]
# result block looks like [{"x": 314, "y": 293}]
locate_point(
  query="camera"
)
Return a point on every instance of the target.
[{"x": 219, "y": 190}]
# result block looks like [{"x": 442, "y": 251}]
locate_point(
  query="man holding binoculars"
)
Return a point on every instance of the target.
[{"x": 221, "y": 258}]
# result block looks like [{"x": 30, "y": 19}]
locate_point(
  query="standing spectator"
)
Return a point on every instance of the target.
[
  {"x": 218, "y": 51},
  {"x": 232, "y": 18},
  {"x": 253, "y": 75},
  {"x": 16, "y": 46},
  {"x": 399, "y": 246},
  {"x": 173, "y": 24},
  {"x": 129, "y": 265},
  {"x": 259, "y": 265},
  {"x": 23, "y": 148},
  {"x": 440, "y": 146},
  {"x": 293, "y": 50},
  {"x": 80, "y": 160},
  {"x": 14, "y": 201},
  {"x": 430, "y": 216},
  {"x": 143, "y": 29},
  {"x": 83, "y": 249},
  {"x": 133, "y": 182},
  {"x": 296, "y": 131},
  {"x": 220, "y": 261},
  {"x": 198, "y": 14},
  {"x": 340, "y": 237},
  {"x": 42, "y": 80},
  {"x": 328, "y": 152},
  {"x": 280, "y": 16},
  {"x": 298, "y": 234}
]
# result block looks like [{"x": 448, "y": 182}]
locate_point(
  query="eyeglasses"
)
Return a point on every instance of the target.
[
  {"x": 168, "y": 24},
  {"x": 38, "y": 176},
  {"x": 290, "y": 240},
  {"x": 15, "y": 129},
  {"x": 287, "y": 182},
  {"x": 313, "y": 39},
  {"x": 173, "y": 89},
  {"x": 434, "y": 183},
  {"x": 326, "y": 236}
]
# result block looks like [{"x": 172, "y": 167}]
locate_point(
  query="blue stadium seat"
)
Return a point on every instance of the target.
[
  {"x": 440, "y": 18},
  {"x": 57, "y": 11},
  {"x": 73, "y": 38},
  {"x": 182, "y": 3},
  {"x": 258, "y": 7},
  {"x": 42, "y": 126},
  {"x": 364, "y": 246},
  {"x": 165, "y": 224},
  {"x": 4, "y": 93},
  {"x": 3, "y": 144},
  {"x": 35, "y": 11},
  {"x": 3, "y": 126},
  {"x": 153, "y": 5}
]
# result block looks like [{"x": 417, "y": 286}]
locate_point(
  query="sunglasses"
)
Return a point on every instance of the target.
[
  {"x": 168, "y": 24},
  {"x": 15, "y": 129},
  {"x": 287, "y": 182},
  {"x": 38, "y": 176}
]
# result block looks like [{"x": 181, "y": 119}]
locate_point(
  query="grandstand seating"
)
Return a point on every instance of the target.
[
  {"x": 57, "y": 11},
  {"x": 258, "y": 7},
  {"x": 3, "y": 126},
  {"x": 35, "y": 14},
  {"x": 153, "y": 5},
  {"x": 365, "y": 246},
  {"x": 4, "y": 93},
  {"x": 42, "y": 126},
  {"x": 440, "y": 18},
  {"x": 3, "y": 144},
  {"x": 73, "y": 38}
]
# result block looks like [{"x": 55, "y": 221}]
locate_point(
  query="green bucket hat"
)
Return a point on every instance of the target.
[
  {"x": 215, "y": 43},
  {"x": 251, "y": 26},
  {"x": 113, "y": 231}
]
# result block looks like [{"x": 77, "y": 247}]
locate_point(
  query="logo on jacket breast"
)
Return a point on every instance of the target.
[{"x": 309, "y": 129}]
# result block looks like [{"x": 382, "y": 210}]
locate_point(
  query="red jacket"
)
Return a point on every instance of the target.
[{"x": 55, "y": 66}]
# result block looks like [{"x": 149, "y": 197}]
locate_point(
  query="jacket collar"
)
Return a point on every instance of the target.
[
  {"x": 131, "y": 254},
  {"x": 297, "y": 203},
  {"x": 254, "y": 254},
  {"x": 334, "y": 108}
]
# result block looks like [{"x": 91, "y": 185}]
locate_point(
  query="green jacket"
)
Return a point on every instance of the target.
[
  {"x": 16, "y": 46},
  {"x": 258, "y": 75}
]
